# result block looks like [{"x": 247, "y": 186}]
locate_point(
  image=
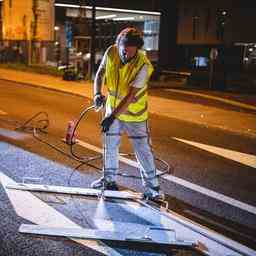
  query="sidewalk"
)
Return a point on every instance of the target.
[{"x": 242, "y": 122}]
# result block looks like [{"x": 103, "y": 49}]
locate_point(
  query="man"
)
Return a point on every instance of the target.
[{"x": 127, "y": 71}]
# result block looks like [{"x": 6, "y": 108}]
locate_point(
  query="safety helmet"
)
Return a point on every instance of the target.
[{"x": 130, "y": 37}]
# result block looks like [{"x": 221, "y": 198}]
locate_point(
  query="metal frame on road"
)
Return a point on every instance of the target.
[{"x": 200, "y": 239}]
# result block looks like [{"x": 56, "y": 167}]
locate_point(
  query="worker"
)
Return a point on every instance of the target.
[{"x": 126, "y": 71}]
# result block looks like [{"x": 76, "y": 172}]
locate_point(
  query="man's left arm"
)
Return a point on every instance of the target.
[
  {"x": 122, "y": 107},
  {"x": 137, "y": 84},
  {"x": 125, "y": 102}
]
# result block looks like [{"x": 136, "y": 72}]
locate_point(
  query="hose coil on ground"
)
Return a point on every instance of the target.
[{"x": 41, "y": 124}]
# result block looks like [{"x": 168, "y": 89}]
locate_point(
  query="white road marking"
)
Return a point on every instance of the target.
[
  {"x": 2, "y": 112},
  {"x": 75, "y": 191},
  {"x": 215, "y": 223},
  {"x": 99, "y": 150},
  {"x": 184, "y": 183},
  {"x": 231, "y": 102},
  {"x": 13, "y": 134},
  {"x": 213, "y": 243},
  {"x": 157, "y": 236},
  {"x": 212, "y": 194},
  {"x": 246, "y": 159},
  {"x": 25, "y": 203}
]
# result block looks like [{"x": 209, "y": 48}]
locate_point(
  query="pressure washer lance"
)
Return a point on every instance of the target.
[{"x": 101, "y": 194}]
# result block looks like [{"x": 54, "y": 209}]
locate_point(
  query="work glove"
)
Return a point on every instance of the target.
[
  {"x": 106, "y": 123},
  {"x": 98, "y": 100}
]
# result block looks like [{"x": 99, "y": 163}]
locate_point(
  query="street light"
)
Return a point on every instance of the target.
[{"x": 56, "y": 45}]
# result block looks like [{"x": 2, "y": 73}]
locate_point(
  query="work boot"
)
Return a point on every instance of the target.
[
  {"x": 153, "y": 194},
  {"x": 109, "y": 185}
]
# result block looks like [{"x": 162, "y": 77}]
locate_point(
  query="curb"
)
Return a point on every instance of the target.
[
  {"x": 181, "y": 91},
  {"x": 231, "y": 102},
  {"x": 174, "y": 90},
  {"x": 45, "y": 87}
]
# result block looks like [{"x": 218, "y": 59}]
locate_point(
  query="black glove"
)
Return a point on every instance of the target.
[
  {"x": 98, "y": 100},
  {"x": 106, "y": 123}
]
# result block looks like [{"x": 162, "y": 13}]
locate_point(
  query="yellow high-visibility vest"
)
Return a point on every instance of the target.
[{"x": 118, "y": 79}]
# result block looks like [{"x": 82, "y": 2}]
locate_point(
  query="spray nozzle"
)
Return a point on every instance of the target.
[{"x": 99, "y": 101}]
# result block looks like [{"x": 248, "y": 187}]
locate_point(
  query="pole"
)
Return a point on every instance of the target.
[
  {"x": 104, "y": 141},
  {"x": 213, "y": 56},
  {"x": 67, "y": 58},
  {"x": 211, "y": 74},
  {"x": 93, "y": 33},
  {"x": 102, "y": 196},
  {"x": 29, "y": 52},
  {"x": 244, "y": 54}
]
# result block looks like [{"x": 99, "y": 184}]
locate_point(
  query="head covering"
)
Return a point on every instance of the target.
[{"x": 130, "y": 37}]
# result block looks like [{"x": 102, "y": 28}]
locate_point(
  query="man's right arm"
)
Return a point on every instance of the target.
[
  {"x": 98, "y": 98},
  {"x": 99, "y": 77},
  {"x": 100, "y": 74}
]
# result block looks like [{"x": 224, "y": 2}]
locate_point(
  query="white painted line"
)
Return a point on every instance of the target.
[
  {"x": 187, "y": 184},
  {"x": 99, "y": 150},
  {"x": 246, "y": 159},
  {"x": 157, "y": 235},
  {"x": 74, "y": 191},
  {"x": 231, "y": 102},
  {"x": 212, "y": 194},
  {"x": 211, "y": 242},
  {"x": 14, "y": 134},
  {"x": 209, "y": 220},
  {"x": 2, "y": 112},
  {"x": 36, "y": 211}
]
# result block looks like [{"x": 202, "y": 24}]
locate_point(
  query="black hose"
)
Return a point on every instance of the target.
[
  {"x": 42, "y": 124},
  {"x": 164, "y": 171}
]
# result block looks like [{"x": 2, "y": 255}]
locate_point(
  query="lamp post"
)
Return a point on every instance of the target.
[
  {"x": 213, "y": 57},
  {"x": 93, "y": 36},
  {"x": 57, "y": 44}
]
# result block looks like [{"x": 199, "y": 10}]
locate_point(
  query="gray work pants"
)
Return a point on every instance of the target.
[{"x": 138, "y": 133}]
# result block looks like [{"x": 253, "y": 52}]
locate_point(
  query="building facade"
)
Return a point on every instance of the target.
[
  {"x": 178, "y": 34},
  {"x": 27, "y": 28},
  {"x": 1, "y": 21},
  {"x": 203, "y": 25},
  {"x": 188, "y": 30},
  {"x": 28, "y": 20}
]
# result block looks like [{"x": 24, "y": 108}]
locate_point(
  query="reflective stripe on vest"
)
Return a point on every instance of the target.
[
  {"x": 118, "y": 79},
  {"x": 136, "y": 98}
]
